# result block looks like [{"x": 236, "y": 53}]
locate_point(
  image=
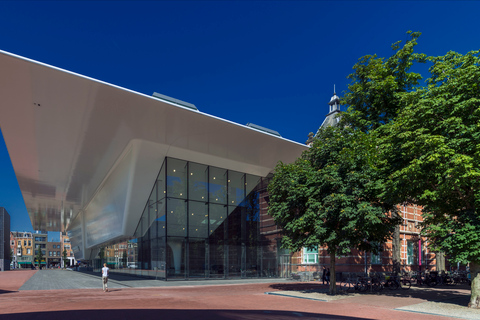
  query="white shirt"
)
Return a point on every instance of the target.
[{"x": 105, "y": 271}]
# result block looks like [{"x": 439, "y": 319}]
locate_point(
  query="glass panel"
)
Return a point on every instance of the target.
[
  {"x": 196, "y": 261},
  {"x": 314, "y": 250},
  {"x": 197, "y": 219},
  {"x": 236, "y": 225},
  {"x": 158, "y": 256},
  {"x": 176, "y": 178},
  {"x": 409, "y": 252},
  {"x": 235, "y": 260},
  {"x": 176, "y": 217},
  {"x": 217, "y": 259},
  {"x": 176, "y": 257},
  {"x": 217, "y": 217},
  {"x": 236, "y": 187},
  {"x": 197, "y": 182},
  {"x": 155, "y": 207},
  {"x": 252, "y": 264},
  {"x": 217, "y": 187},
  {"x": 251, "y": 182}
]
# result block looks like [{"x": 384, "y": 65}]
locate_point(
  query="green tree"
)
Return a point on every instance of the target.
[
  {"x": 64, "y": 256},
  {"x": 39, "y": 257},
  {"x": 101, "y": 255},
  {"x": 434, "y": 146},
  {"x": 374, "y": 98},
  {"x": 330, "y": 197}
]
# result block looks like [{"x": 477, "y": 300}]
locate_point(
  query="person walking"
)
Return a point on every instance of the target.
[
  {"x": 105, "y": 270},
  {"x": 327, "y": 276},
  {"x": 324, "y": 275}
]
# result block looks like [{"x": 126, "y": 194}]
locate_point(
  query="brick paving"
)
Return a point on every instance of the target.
[{"x": 74, "y": 295}]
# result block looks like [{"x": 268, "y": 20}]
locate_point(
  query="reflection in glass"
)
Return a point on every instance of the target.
[
  {"x": 217, "y": 187},
  {"x": 176, "y": 257},
  {"x": 199, "y": 222},
  {"x": 217, "y": 216},
  {"x": 196, "y": 262},
  {"x": 176, "y": 217},
  {"x": 197, "y": 219},
  {"x": 236, "y": 188},
  {"x": 197, "y": 182},
  {"x": 176, "y": 171}
]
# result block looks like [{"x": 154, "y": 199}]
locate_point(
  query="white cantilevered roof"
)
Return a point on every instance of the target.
[{"x": 65, "y": 132}]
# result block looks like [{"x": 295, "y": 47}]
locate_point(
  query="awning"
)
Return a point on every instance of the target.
[{"x": 24, "y": 262}]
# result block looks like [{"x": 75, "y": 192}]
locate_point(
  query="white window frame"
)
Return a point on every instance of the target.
[
  {"x": 410, "y": 258},
  {"x": 309, "y": 254}
]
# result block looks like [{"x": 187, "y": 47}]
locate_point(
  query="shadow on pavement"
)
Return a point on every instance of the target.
[
  {"x": 305, "y": 287},
  {"x": 172, "y": 314},
  {"x": 457, "y": 295},
  {"x": 116, "y": 276},
  {"x": 6, "y": 291}
]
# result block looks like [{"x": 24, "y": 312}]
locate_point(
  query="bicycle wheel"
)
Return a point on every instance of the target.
[
  {"x": 376, "y": 286},
  {"x": 405, "y": 284},
  {"x": 361, "y": 286},
  {"x": 347, "y": 286},
  {"x": 391, "y": 284}
]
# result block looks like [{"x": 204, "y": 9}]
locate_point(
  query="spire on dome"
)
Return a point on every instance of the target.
[{"x": 334, "y": 102}]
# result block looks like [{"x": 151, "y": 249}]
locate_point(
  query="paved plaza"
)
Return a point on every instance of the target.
[{"x": 61, "y": 294}]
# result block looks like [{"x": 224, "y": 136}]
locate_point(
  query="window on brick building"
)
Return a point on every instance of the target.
[
  {"x": 376, "y": 258},
  {"x": 310, "y": 255},
  {"x": 29, "y": 251},
  {"x": 410, "y": 252}
]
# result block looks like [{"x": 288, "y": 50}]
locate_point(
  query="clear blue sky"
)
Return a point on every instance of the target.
[{"x": 266, "y": 62}]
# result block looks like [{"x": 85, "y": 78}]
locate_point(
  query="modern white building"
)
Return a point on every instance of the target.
[{"x": 107, "y": 164}]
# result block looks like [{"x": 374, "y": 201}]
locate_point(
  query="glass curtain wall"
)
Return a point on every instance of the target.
[{"x": 200, "y": 222}]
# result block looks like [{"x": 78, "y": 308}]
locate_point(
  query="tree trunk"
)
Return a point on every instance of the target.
[
  {"x": 440, "y": 259},
  {"x": 333, "y": 278},
  {"x": 475, "y": 276},
  {"x": 396, "y": 246}
]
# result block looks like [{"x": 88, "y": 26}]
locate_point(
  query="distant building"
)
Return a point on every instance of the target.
[
  {"x": 332, "y": 117},
  {"x": 5, "y": 251},
  {"x": 54, "y": 254},
  {"x": 13, "y": 242},
  {"x": 67, "y": 247},
  {"x": 22, "y": 249},
  {"x": 40, "y": 242}
]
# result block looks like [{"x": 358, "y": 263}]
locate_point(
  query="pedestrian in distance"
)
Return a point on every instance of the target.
[
  {"x": 105, "y": 270},
  {"x": 327, "y": 276},
  {"x": 324, "y": 275}
]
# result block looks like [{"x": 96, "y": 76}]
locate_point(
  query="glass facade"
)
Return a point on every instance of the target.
[{"x": 200, "y": 222}]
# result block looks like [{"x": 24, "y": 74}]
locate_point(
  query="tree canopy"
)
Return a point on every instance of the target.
[
  {"x": 374, "y": 95},
  {"x": 331, "y": 196},
  {"x": 434, "y": 146},
  {"x": 428, "y": 140}
]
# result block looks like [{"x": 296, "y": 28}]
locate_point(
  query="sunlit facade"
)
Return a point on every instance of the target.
[{"x": 96, "y": 160}]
